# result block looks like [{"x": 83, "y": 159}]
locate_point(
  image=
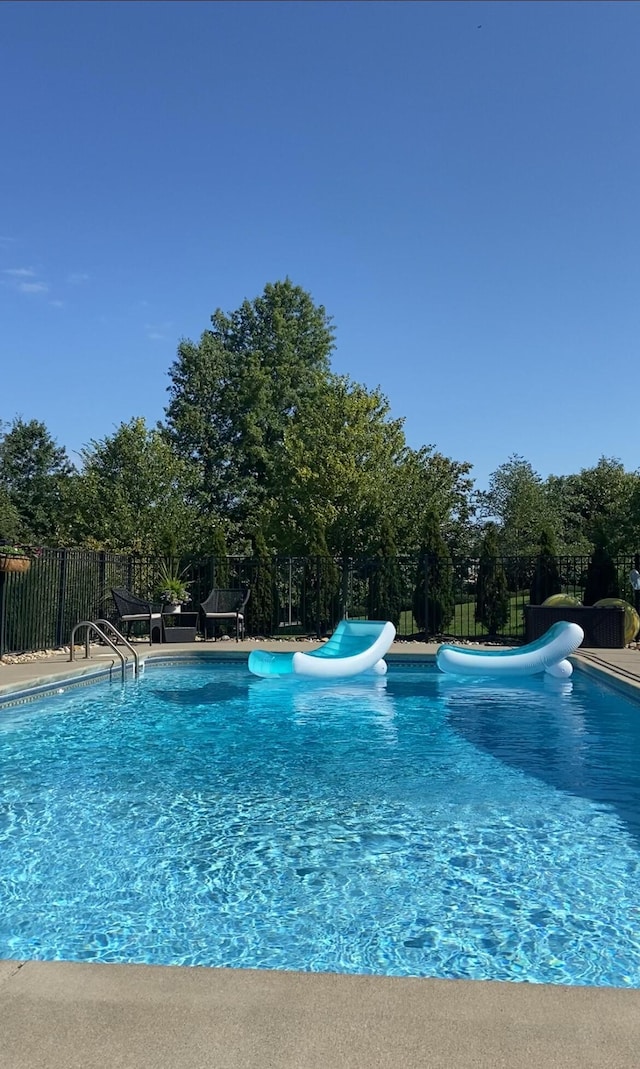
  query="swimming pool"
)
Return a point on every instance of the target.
[{"x": 416, "y": 825}]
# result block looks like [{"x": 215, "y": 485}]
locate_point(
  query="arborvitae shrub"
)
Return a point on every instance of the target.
[
  {"x": 492, "y": 594},
  {"x": 433, "y": 601},
  {"x": 321, "y": 586},
  {"x": 546, "y": 577},
  {"x": 385, "y": 579},
  {"x": 261, "y": 603},
  {"x": 602, "y": 577}
]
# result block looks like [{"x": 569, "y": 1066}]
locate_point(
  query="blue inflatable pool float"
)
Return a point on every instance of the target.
[
  {"x": 355, "y": 646},
  {"x": 547, "y": 654}
]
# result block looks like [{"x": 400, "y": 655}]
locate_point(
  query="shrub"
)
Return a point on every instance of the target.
[
  {"x": 433, "y": 602},
  {"x": 261, "y": 603},
  {"x": 385, "y": 579},
  {"x": 492, "y": 595},
  {"x": 546, "y": 577},
  {"x": 602, "y": 577}
]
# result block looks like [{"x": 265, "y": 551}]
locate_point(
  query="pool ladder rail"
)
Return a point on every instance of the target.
[{"x": 100, "y": 627}]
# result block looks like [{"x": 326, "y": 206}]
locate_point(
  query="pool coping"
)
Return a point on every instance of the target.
[{"x": 61, "y": 1014}]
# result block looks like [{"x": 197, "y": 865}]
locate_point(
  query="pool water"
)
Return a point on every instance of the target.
[{"x": 415, "y": 825}]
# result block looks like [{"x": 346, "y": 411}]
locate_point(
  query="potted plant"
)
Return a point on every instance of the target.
[
  {"x": 171, "y": 589},
  {"x": 14, "y": 558}
]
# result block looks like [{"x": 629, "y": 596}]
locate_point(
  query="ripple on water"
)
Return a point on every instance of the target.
[{"x": 409, "y": 828}]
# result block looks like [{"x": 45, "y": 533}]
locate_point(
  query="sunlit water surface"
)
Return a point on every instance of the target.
[{"x": 417, "y": 825}]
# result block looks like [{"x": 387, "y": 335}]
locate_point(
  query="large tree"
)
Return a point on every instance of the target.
[
  {"x": 33, "y": 474},
  {"x": 233, "y": 395},
  {"x": 427, "y": 486},
  {"x": 131, "y": 495},
  {"x": 337, "y": 469},
  {"x": 601, "y": 507},
  {"x": 518, "y": 501}
]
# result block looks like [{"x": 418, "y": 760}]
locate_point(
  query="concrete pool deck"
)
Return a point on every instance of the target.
[{"x": 60, "y": 1015}]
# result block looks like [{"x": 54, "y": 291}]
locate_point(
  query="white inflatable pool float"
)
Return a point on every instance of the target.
[
  {"x": 547, "y": 654},
  {"x": 355, "y": 646}
]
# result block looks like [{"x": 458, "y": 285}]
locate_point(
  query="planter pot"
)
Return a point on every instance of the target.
[{"x": 14, "y": 564}]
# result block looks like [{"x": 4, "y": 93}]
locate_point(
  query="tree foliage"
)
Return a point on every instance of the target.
[
  {"x": 233, "y": 395},
  {"x": 339, "y": 458},
  {"x": 385, "y": 579},
  {"x": 260, "y": 607},
  {"x": 131, "y": 495},
  {"x": 546, "y": 576},
  {"x": 518, "y": 501},
  {"x": 492, "y": 595},
  {"x": 33, "y": 473},
  {"x": 321, "y": 581},
  {"x": 602, "y": 577},
  {"x": 433, "y": 603}
]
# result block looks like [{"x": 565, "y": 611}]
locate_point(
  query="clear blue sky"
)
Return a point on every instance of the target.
[{"x": 457, "y": 183}]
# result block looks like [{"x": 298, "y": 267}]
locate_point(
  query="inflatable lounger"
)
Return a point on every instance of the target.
[
  {"x": 355, "y": 646},
  {"x": 546, "y": 654}
]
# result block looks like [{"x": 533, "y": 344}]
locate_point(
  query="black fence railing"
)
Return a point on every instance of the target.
[{"x": 289, "y": 595}]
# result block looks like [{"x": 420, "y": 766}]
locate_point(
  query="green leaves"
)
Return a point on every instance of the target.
[
  {"x": 132, "y": 494},
  {"x": 34, "y": 472}
]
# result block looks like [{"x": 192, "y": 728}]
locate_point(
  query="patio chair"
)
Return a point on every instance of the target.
[
  {"x": 225, "y": 605},
  {"x": 132, "y": 609}
]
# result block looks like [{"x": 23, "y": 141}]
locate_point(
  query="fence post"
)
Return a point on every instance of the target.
[
  {"x": 62, "y": 583},
  {"x": 3, "y": 613},
  {"x": 427, "y": 557},
  {"x": 102, "y": 578},
  {"x": 318, "y": 598},
  {"x": 345, "y": 589}
]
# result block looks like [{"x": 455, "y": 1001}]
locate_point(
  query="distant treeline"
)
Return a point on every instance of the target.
[{"x": 263, "y": 449}]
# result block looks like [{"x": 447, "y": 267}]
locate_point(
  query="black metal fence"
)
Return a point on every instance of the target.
[{"x": 290, "y": 595}]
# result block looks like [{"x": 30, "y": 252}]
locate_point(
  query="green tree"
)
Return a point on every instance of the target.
[
  {"x": 433, "y": 602},
  {"x": 321, "y": 585},
  {"x": 11, "y": 526},
  {"x": 602, "y": 577},
  {"x": 546, "y": 577},
  {"x": 33, "y": 473},
  {"x": 217, "y": 550},
  {"x": 518, "y": 501},
  {"x": 425, "y": 484},
  {"x": 233, "y": 395},
  {"x": 132, "y": 495},
  {"x": 340, "y": 454},
  {"x": 385, "y": 579},
  {"x": 260, "y": 607},
  {"x": 492, "y": 595},
  {"x": 602, "y": 507}
]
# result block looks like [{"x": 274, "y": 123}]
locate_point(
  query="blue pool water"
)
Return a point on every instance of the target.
[{"x": 412, "y": 826}]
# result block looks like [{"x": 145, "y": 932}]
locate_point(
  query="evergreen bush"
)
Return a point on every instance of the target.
[
  {"x": 260, "y": 607},
  {"x": 602, "y": 577},
  {"x": 321, "y": 582},
  {"x": 433, "y": 601},
  {"x": 546, "y": 576},
  {"x": 385, "y": 579},
  {"x": 492, "y": 594}
]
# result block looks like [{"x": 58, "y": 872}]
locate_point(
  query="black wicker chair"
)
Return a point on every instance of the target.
[
  {"x": 225, "y": 605},
  {"x": 132, "y": 609}
]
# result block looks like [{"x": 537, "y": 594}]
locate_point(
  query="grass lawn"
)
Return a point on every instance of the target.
[{"x": 464, "y": 623}]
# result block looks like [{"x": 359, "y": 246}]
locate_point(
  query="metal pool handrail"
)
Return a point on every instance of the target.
[{"x": 95, "y": 625}]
